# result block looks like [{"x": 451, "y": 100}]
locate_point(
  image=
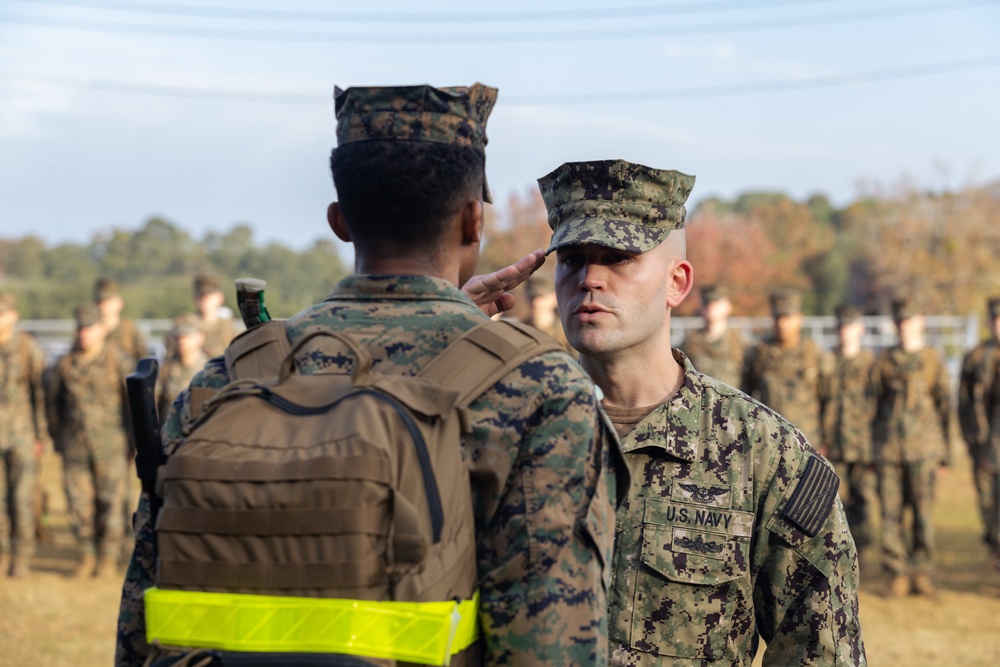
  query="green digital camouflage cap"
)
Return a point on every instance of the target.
[
  {"x": 86, "y": 316},
  {"x": 847, "y": 314},
  {"x": 105, "y": 288},
  {"x": 786, "y": 301},
  {"x": 455, "y": 115},
  {"x": 206, "y": 284},
  {"x": 614, "y": 203},
  {"x": 904, "y": 307},
  {"x": 710, "y": 293}
]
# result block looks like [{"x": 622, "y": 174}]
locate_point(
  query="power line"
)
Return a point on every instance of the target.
[
  {"x": 579, "y": 99},
  {"x": 439, "y": 17},
  {"x": 464, "y": 37}
]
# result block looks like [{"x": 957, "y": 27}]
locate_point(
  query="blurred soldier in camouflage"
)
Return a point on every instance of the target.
[
  {"x": 732, "y": 531},
  {"x": 849, "y": 400},
  {"x": 132, "y": 345},
  {"x": 122, "y": 332},
  {"x": 977, "y": 368},
  {"x": 544, "y": 314},
  {"x": 785, "y": 371},
  {"x": 409, "y": 170},
  {"x": 22, "y": 438},
  {"x": 208, "y": 301},
  {"x": 187, "y": 341},
  {"x": 87, "y": 417},
  {"x": 911, "y": 442},
  {"x": 716, "y": 350}
]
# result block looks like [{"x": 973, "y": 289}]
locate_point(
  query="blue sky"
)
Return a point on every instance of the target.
[{"x": 110, "y": 109}]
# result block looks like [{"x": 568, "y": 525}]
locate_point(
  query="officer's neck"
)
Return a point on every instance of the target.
[{"x": 636, "y": 380}]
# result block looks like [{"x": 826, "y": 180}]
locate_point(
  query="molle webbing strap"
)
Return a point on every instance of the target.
[
  {"x": 360, "y": 467},
  {"x": 485, "y": 354},
  {"x": 338, "y": 520},
  {"x": 258, "y": 352},
  {"x": 190, "y": 574}
]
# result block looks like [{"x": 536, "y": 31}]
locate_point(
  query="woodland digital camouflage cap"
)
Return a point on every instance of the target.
[
  {"x": 786, "y": 302},
  {"x": 455, "y": 115},
  {"x": 86, "y": 316},
  {"x": 105, "y": 288},
  {"x": 710, "y": 293},
  {"x": 614, "y": 203},
  {"x": 904, "y": 307},
  {"x": 847, "y": 314}
]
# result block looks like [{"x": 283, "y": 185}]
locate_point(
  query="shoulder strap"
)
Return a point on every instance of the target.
[
  {"x": 258, "y": 352},
  {"x": 485, "y": 354}
]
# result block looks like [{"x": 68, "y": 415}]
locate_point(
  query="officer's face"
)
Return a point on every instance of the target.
[{"x": 612, "y": 301}]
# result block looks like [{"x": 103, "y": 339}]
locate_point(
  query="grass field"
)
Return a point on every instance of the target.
[{"x": 50, "y": 619}]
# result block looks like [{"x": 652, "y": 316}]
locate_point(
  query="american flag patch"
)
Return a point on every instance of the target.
[{"x": 813, "y": 498}]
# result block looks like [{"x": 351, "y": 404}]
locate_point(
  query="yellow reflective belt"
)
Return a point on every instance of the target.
[{"x": 422, "y": 632}]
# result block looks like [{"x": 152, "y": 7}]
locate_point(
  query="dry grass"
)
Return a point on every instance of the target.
[{"x": 51, "y": 619}]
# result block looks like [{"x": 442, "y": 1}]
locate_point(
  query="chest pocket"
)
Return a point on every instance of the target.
[{"x": 694, "y": 573}]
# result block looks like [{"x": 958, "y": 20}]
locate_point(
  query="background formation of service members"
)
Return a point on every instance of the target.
[
  {"x": 78, "y": 406},
  {"x": 882, "y": 419}
]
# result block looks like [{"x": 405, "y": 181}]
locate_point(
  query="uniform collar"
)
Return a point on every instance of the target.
[
  {"x": 374, "y": 287},
  {"x": 674, "y": 426}
]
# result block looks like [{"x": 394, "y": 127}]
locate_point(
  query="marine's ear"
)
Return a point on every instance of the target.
[{"x": 335, "y": 218}]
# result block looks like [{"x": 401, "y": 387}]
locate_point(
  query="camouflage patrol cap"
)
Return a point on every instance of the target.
[
  {"x": 454, "y": 115},
  {"x": 993, "y": 307},
  {"x": 904, "y": 307},
  {"x": 105, "y": 288},
  {"x": 614, "y": 203},
  {"x": 185, "y": 324},
  {"x": 7, "y": 302},
  {"x": 847, "y": 314},
  {"x": 710, "y": 293},
  {"x": 205, "y": 284},
  {"x": 786, "y": 302},
  {"x": 86, "y": 316}
]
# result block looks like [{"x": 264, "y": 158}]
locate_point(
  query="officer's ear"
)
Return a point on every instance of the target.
[
  {"x": 335, "y": 218},
  {"x": 681, "y": 281}
]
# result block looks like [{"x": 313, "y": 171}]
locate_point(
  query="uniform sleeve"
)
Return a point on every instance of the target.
[
  {"x": 544, "y": 533},
  {"x": 806, "y": 567},
  {"x": 748, "y": 378},
  {"x": 53, "y": 401},
  {"x": 131, "y": 648},
  {"x": 36, "y": 370},
  {"x": 942, "y": 403}
]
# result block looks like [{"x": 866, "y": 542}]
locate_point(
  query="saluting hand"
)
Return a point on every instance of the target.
[{"x": 491, "y": 292}]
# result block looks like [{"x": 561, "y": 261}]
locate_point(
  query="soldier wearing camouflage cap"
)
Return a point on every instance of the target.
[
  {"x": 215, "y": 322},
  {"x": 978, "y": 407},
  {"x": 87, "y": 417},
  {"x": 716, "y": 350},
  {"x": 187, "y": 342},
  {"x": 911, "y": 441},
  {"x": 409, "y": 171},
  {"x": 849, "y": 407},
  {"x": 732, "y": 530},
  {"x": 23, "y": 434},
  {"x": 786, "y": 371},
  {"x": 122, "y": 331}
]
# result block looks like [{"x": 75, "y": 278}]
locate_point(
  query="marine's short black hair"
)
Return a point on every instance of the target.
[{"x": 397, "y": 195}]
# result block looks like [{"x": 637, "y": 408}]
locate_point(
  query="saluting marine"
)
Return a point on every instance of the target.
[
  {"x": 409, "y": 170},
  {"x": 732, "y": 531}
]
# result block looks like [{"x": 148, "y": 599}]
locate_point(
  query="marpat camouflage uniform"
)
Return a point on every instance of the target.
[
  {"x": 129, "y": 340},
  {"x": 849, "y": 400},
  {"x": 174, "y": 377},
  {"x": 990, "y": 457},
  {"x": 88, "y": 420},
  {"x": 22, "y": 424},
  {"x": 713, "y": 545},
  {"x": 218, "y": 335},
  {"x": 789, "y": 381},
  {"x": 539, "y": 460},
  {"x": 910, "y": 441},
  {"x": 721, "y": 358},
  {"x": 973, "y": 416}
]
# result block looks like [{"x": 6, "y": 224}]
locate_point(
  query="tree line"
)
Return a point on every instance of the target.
[
  {"x": 942, "y": 248},
  {"x": 939, "y": 247}
]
